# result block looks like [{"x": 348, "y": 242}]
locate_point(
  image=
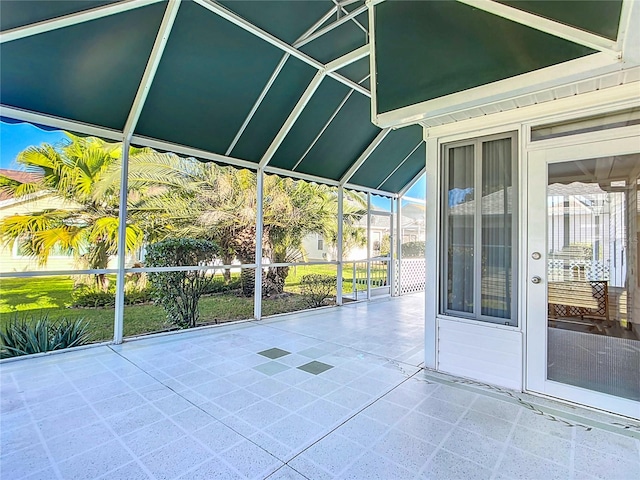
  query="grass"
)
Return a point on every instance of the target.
[{"x": 33, "y": 297}]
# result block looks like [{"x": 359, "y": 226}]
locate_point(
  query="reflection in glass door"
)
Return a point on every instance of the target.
[{"x": 593, "y": 285}]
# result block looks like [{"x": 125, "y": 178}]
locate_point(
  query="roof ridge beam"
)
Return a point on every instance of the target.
[
  {"x": 331, "y": 27},
  {"x": 291, "y": 119},
  {"x": 72, "y": 19},
  {"x": 150, "y": 70},
  {"x": 276, "y": 42},
  {"x": 400, "y": 164},
  {"x": 363, "y": 157},
  {"x": 572, "y": 34}
]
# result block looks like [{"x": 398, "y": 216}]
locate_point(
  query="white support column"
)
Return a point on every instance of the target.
[
  {"x": 118, "y": 324},
  {"x": 257, "y": 294},
  {"x": 399, "y": 242},
  {"x": 368, "y": 246},
  {"x": 392, "y": 253},
  {"x": 130, "y": 125},
  {"x": 293, "y": 116},
  {"x": 339, "y": 244}
]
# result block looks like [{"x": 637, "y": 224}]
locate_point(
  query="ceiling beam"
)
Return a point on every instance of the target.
[
  {"x": 366, "y": 154},
  {"x": 332, "y": 11},
  {"x": 400, "y": 164},
  {"x": 72, "y": 19},
  {"x": 373, "y": 191},
  {"x": 354, "y": 20},
  {"x": 331, "y": 27},
  {"x": 60, "y": 123},
  {"x": 551, "y": 27},
  {"x": 276, "y": 42},
  {"x": 348, "y": 58},
  {"x": 258, "y": 102},
  {"x": 152, "y": 66},
  {"x": 191, "y": 152},
  {"x": 291, "y": 119},
  {"x": 326, "y": 125},
  {"x": 300, "y": 176},
  {"x": 322, "y": 130}
]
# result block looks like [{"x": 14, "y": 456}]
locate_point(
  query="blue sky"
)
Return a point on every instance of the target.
[{"x": 17, "y": 136}]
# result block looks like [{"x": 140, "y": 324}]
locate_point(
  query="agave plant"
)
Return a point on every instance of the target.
[{"x": 22, "y": 336}]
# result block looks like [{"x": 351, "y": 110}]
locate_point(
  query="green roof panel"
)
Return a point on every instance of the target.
[
  {"x": 426, "y": 50},
  {"x": 357, "y": 71},
  {"x": 89, "y": 72},
  {"x": 210, "y": 75},
  {"x": 339, "y": 41},
  {"x": 407, "y": 171},
  {"x": 18, "y": 13},
  {"x": 313, "y": 118},
  {"x": 596, "y": 16},
  {"x": 287, "y": 20},
  {"x": 274, "y": 110},
  {"x": 396, "y": 146},
  {"x": 346, "y": 137}
]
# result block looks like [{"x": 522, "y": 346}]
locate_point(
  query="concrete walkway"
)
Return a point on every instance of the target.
[{"x": 334, "y": 393}]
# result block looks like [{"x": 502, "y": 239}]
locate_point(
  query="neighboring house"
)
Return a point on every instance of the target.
[{"x": 12, "y": 259}]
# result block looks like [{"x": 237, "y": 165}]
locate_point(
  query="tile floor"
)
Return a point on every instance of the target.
[{"x": 221, "y": 403}]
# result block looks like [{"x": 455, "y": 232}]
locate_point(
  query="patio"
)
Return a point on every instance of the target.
[{"x": 332, "y": 393}]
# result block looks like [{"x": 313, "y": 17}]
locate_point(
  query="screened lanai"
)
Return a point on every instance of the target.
[{"x": 360, "y": 100}]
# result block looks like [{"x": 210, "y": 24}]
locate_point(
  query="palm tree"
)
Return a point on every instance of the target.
[{"x": 88, "y": 226}]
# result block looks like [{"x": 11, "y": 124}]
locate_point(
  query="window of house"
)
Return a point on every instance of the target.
[
  {"x": 320, "y": 243},
  {"x": 479, "y": 235}
]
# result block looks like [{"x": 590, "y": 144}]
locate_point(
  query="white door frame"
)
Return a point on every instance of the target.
[{"x": 619, "y": 141}]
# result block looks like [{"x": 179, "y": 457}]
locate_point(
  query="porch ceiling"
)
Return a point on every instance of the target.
[{"x": 277, "y": 84}]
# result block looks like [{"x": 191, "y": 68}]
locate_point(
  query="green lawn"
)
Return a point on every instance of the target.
[{"x": 52, "y": 296}]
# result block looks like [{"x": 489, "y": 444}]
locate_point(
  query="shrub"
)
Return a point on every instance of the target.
[
  {"x": 178, "y": 293},
  {"x": 316, "y": 289},
  {"x": 24, "y": 337},
  {"x": 412, "y": 250},
  {"x": 94, "y": 296}
]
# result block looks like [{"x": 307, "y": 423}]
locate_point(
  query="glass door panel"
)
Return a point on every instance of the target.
[{"x": 593, "y": 286}]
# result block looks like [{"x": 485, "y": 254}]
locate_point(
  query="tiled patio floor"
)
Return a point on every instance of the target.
[{"x": 208, "y": 404}]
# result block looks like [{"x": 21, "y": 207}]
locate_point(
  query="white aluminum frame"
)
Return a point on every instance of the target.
[
  {"x": 61, "y": 123},
  {"x": 276, "y": 42},
  {"x": 72, "y": 19},
  {"x": 340, "y": 245},
  {"x": 400, "y": 164},
  {"x": 293, "y": 116},
  {"x": 363, "y": 157},
  {"x": 257, "y": 289}
]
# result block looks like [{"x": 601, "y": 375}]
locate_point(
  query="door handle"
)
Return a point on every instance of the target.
[{"x": 536, "y": 279}]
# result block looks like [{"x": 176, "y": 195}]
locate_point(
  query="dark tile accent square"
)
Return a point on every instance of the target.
[
  {"x": 315, "y": 367},
  {"x": 274, "y": 353}
]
